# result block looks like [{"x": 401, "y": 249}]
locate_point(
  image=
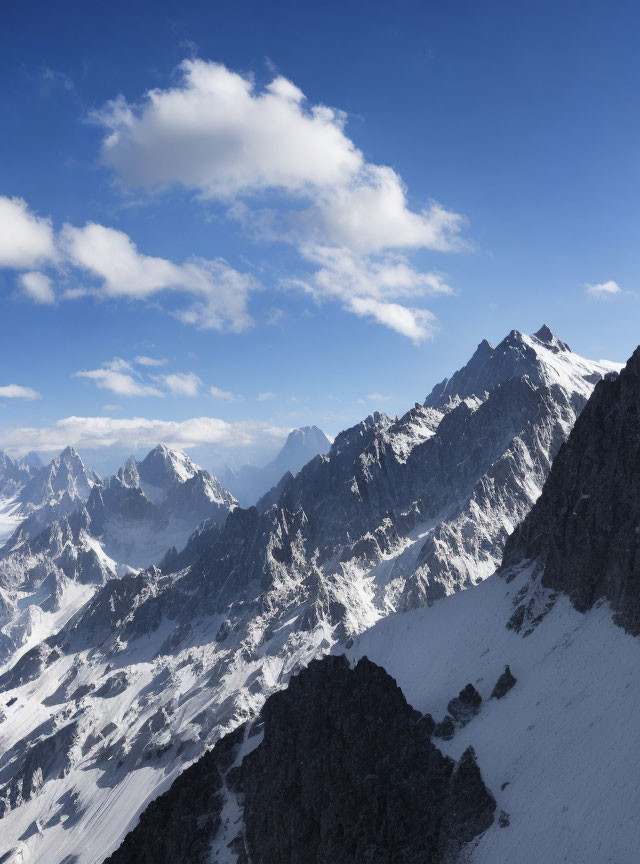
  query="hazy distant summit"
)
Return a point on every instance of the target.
[{"x": 250, "y": 483}]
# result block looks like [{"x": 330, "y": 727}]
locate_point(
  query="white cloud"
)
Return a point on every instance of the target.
[
  {"x": 181, "y": 383},
  {"x": 220, "y": 135},
  {"x": 15, "y": 391},
  {"x": 604, "y": 290},
  {"x": 37, "y": 286},
  {"x": 138, "y": 432},
  {"x": 371, "y": 214},
  {"x": 370, "y": 286},
  {"x": 266, "y": 397},
  {"x": 117, "y": 377},
  {"x": 376, "y": 397},
  {"x": 415, "y": 324},
  {"x": 389, "y": 276},
  {"x": 26, "y": 240},
  {"x": 225, "y": 395},
  {"x": 220, "y": 293},
  {"x": 143, "y": 360}
]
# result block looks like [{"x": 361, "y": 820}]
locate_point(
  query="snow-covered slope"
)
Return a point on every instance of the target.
[
  {"x": 555, "y": 751},
  {"x": 158, "y": 665},
  {"x": 249, "y": 483},
  {"x": 32, "y": 494}
]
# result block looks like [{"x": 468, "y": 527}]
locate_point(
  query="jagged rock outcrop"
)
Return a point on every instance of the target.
[
  {"x": 345, "y": 772},
  {"x": 35, "y": 759},
  {"x": 504, "y": 683},
  {"x": 585, "y": 527},
  {"x": 465, "y": 705}
]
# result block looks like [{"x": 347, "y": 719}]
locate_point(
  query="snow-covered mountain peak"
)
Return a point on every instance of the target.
[
  {"x": 547, "y": 337},
  {"x": 66, "y": 474},
  {"x": 163, "y": 467},
  {"x": 544, "y": 358}
]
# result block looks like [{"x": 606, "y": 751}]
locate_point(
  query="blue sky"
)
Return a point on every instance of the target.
[{"x": 303, "y": 212}]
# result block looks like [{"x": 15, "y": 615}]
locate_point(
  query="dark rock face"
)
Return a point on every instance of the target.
[
  {"x": 465, "y": 706},
  {"x": 178, "y": 826},
  {"x": 584, "y": 528},
  {"x": 445, "y": 729},
  {"x": 469, "y": 806},
  {"x": 504, "y": 683},
  {"x": 346, "y": 772}
]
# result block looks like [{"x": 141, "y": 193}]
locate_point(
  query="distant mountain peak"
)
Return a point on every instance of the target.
[
  {"x": 249, "y": 483},
  {"x": 163, "y": 466}
]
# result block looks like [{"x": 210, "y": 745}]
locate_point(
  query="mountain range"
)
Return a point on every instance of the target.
[
  {"x": 523, "y": 689},
  {"x": 156, "y": 666}
]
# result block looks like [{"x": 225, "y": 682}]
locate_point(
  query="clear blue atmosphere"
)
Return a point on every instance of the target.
[{"x": 220, "y": 221}]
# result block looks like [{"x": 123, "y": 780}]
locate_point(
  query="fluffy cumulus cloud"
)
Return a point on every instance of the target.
[
  {"x": 26, "y": 239},
  {"x": 219, "y": 293},
  {"x": 218, "y": 134},
  {"x": 371, "y": 214},
  {"x": 137, "y": 432},
  {"x": 604, "y": 290},
  {"x": 16, "y": 391},
  {"x": 223, "y": 137}
]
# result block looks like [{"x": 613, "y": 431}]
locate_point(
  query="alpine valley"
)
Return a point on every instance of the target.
[{"x": 456, "y": 568}]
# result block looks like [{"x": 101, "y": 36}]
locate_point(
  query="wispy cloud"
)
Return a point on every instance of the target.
[
  {"x": 603, "y": 290},
  {"x": 16, "y": 391},
  {"x": 181, "y": 383},
  {"x": 143, "y": 360},
  {"x": 117, "y": 376},
  {"x": 137, "y": 432},
  {"x": 266, "y": 397},
  {"x": 225, "y": 395},
  {"x": 37, "y": 286}
]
